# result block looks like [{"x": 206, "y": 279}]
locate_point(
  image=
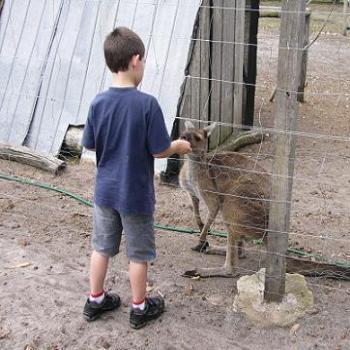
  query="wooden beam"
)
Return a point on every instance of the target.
[{"x": 286, "y": 113}]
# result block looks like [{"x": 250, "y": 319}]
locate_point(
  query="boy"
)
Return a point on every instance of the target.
[{"x": 126, "y": 129}]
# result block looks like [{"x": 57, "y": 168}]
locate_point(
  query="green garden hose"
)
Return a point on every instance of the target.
[{"x": 81, "y": 199}]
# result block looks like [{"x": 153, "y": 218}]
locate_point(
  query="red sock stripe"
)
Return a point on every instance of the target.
[
  {"x": 138, "y": 302},
  {"x": 96, "y": 295}
]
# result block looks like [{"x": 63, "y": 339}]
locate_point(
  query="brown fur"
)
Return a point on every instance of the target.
[{"x": 228, "y": 182}]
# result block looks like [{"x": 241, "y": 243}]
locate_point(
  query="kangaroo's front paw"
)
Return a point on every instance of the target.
[{"x": 201, "y": 247}]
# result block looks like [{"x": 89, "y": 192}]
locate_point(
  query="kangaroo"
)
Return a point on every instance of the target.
[{"x": 228, "y": 182}]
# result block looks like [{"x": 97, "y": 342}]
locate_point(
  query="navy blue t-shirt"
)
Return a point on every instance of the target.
[{"x": 125, "y": 127}]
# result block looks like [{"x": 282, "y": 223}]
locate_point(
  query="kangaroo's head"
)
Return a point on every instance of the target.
[{"x": 197, "y": 137}]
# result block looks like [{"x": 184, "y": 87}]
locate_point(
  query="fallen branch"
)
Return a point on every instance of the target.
[
  {"x": 235, "y": 143},
  {"x": 311, "y": 268},
  {"x": 25, "y": 155}
]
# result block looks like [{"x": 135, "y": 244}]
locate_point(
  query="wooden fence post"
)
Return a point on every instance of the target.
[
  {"x": 286, "y": 113},
  {"x": 305, "y": 54},
  {"x": 346, "y": 14}
]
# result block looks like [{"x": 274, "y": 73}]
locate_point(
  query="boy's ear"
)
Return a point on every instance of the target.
[
  {"x": 209, "y": 129},
  {"x": 134, "y": 60},
  {"x": 189, "y": 125}
]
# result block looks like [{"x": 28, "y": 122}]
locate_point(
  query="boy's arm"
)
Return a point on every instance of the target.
[
  {"x": 88, "y": 140},
  {"x": 177, "y": 146},
  {"x": 158, "y": 140}
]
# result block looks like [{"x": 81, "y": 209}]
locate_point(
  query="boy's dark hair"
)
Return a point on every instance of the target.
[{"x": 120, "y": 46}]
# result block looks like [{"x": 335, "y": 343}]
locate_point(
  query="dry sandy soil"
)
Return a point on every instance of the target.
[{"x": 44, "y": 241}]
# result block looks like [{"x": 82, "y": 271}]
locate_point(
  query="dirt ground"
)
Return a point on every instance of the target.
[{"x": 44, "y": 240}]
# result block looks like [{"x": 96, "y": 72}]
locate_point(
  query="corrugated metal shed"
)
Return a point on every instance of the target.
[{"x": 52, "y": 65}]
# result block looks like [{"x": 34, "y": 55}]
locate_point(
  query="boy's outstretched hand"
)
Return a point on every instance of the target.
[
  {"x": 177, "y": 146},
  {"x": 182, "y": 146}
]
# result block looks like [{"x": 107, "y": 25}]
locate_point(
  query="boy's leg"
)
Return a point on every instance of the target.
[
  {"x": 140, "y": 243},
  {"x": 105, "y": 241},
  {"x": 138, "y": 280},
  {"x": 98, "y": 270}
]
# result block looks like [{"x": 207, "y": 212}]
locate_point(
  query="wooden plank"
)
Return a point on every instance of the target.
[
  {"x": 346, "y": 15},
  {"x": 286, "y": 114},
  {"x": 204, "y": 36},
  {"x": 250, "y": 61},
  {"x": 195, "y": 82},
  {"x": 216, "y": 61},
  {"x": 228, "y": 66},
  {"x": 185, "y": 108},
  {"x": 303, "y": 70},
  {"x": 239, "y": 62}
]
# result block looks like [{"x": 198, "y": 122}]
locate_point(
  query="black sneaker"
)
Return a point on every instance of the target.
[
  {"x": 94, "y": 310},
  {"x": 154, "y": 307}
]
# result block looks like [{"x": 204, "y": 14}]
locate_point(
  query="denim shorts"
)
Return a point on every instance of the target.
[{"x": 108, "y": 226}]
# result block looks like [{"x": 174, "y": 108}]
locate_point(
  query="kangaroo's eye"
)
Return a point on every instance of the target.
[{"x": 197, "y": 138}]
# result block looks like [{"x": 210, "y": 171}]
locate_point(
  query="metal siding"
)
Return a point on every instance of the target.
[
  {"x": 25, "y": 32},
  {"x": 73, "y": 72},
  {"x": 96, "y": 70},
  {"x": 53, "y": 93},
  {"x": 173, "y": 75},
  {"x": 125, "y": 18}
]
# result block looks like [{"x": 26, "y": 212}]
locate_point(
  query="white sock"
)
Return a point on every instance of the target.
[
  {"x": 140, "y": 306},
  {"x": 97, "y": 299}
]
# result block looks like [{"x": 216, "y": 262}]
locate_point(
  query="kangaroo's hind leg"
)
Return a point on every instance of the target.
[
  {"x": 221, "y": 249},
  {"x": 232, "y": 250},
  {"x": 230, "y": 267}
]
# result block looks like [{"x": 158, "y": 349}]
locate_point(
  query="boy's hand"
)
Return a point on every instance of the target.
[
  {"x": 182, "y": 146},
  {"x": 177, "y": 146}
]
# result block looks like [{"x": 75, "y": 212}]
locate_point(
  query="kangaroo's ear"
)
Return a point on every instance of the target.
[
  {"x": 189, "y": 125},
  {"x": 210, "y": 128}
]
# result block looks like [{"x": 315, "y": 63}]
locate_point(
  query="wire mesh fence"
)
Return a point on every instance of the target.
[{"x": 320, "y": 220}]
